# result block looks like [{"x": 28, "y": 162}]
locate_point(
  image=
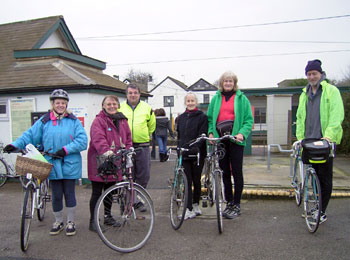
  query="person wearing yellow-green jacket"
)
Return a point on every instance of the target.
[
  {"x": 320, "y": 115},
  {"x": 142, "y": 123}
]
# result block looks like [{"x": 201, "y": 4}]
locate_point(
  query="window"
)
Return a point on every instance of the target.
[
  {"x": 206, "y": 98},
  {"x": 260, "y": 115},
  {"x": 3, "y": 110}
]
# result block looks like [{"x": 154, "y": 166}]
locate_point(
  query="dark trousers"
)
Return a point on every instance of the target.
[
  {"x": 232, "y": 164},
  {"x": 142, "y": 166},
  {"x": 63, "y": 187},
  {"x": 193, "y": 173},
  {"x": 97, "y": 188},
  {"x": 325, "y": 175}
]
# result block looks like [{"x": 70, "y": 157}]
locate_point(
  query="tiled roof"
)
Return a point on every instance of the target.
[{"x": 44, "y": 71}]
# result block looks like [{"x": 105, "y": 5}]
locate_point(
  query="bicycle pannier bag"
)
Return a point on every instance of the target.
[
  {"x": 224, "y": 127},
  {"x": 315, "y": 151}
]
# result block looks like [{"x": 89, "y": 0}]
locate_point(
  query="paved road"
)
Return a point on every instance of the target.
[{"x": 267, "y": 229}]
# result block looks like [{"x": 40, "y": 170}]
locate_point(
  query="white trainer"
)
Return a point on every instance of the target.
[
  {"x": 196, "y": 209},
  {"x": 189, "y": 214}
]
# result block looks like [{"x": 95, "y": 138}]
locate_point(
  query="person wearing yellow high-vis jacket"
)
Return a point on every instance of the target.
[
  {"x": 320, "y": 115},
  {"x": 142, "y": 123}
]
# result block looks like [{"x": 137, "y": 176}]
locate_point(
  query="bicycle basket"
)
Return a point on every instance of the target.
[
  {"x": 315, "y": 151},
  {"x": 38, "y": 169},
  {"x": 106, "y": 165}
]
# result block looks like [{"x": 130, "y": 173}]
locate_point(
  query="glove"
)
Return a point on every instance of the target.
[
  {"x": 9, "y": 148},
  {"x": 108, "y": 153},
  {"x": 61, "y": 153}
]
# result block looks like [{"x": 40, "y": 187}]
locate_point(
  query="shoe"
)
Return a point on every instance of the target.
[
  {"x": 70, "y": 228},
  {"x": 56, "y": 228},
  {"x": 196, "y": 209},
  {"x": 140, "y": 206},
  {"x": 323, "y": 217},
  {"x": 109, "y": 220},
  {"x": 233, "y": 212},
  {"x": 189, "y": 214},
  {"x": 229, "y": 208}
]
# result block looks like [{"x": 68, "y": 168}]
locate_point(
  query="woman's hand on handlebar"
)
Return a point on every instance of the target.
[
  {"x": 211, "y": 136},
  {"x": 239, "y": 137}
]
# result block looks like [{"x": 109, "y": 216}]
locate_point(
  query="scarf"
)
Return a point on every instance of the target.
[
  {"x": 115, "y": 118},
  {"x": 228, "y": 94}
]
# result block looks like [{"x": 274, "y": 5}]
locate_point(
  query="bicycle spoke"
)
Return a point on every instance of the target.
[{"x": 178, "y": 200}]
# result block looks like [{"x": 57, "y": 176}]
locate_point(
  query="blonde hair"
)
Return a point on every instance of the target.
[
  {"x": 228, "y": 74},
  {"x": 194, "y": 95}
]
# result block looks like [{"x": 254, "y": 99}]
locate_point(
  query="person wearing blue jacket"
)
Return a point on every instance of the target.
[{"x": 59, "y": 132}]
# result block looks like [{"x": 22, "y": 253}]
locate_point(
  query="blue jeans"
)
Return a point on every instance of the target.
[
  {"x": 162, "y": 141},
  {"x": 60, "y": 187}
]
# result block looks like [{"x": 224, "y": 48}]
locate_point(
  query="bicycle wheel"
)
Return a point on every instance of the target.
[
  {"x": 208, "y": 182},
  {"x": 132, "y": 228},
  {"x": 218, "y": 199},
  {"x": 3, "y": 172},
  {"x": 297, "y": 181},
  {"x": 27, "y": 215},
  {"x": 178, "y": 199},
  {"x": 312, "y": 201},
  {"x": 43, "y": 194}
]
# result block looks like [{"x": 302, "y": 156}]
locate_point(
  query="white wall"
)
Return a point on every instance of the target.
[
  {"x": 168, "y": 88},
  {"x": 277, "y": 118}
]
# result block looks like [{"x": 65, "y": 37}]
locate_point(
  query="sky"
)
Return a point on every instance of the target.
[{"x": 189, "y": 40}]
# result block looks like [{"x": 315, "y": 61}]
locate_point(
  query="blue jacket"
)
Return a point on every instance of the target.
[{"x": 52, "y": 135}]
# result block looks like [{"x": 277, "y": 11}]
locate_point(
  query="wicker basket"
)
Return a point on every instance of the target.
[{"x": 38, "y": 169}]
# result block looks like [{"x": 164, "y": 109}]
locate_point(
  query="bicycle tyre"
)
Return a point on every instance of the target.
[
  {"x": 297, "y": 181},
  {"x": 26, "y": 218},
  {"x": 3, "y": 172},
  {"x": 178, "y": 199},
  {"x": 132, "y": 228},
  {"x": 312, "y": 201},
  {"x": 218, "y": 199},
  {"x": 43, "y": 193}
]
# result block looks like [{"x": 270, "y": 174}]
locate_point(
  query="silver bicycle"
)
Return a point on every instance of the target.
[{"x": 7, "y": 170}]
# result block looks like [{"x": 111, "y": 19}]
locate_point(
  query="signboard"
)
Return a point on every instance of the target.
[
  {"x": 80, "y": 113},
  {"x": 168, "y": 101},
  {"x": 20, "y": 111}
]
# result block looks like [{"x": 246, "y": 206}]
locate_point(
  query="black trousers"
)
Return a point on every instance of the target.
[
  {"x": 325, "y": 175},
  {"x": 97, "y": 188},
  {"x": 232, "y": 164},
  {"x": 193, "y": 173}
]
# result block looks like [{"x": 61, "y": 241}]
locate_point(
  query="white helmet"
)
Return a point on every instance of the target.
[{"x": 59, "y": 93}]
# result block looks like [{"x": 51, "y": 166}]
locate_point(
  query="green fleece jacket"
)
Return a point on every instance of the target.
[
  {"x": 331, "y": 113},
  {"x": 243, "y": 115}
]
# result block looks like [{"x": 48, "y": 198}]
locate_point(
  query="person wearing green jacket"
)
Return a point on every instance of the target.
[
  {"x": 230, "y": 112},
  {"x": 142, "y": 123},
  {"x": 320, "y": 115}
]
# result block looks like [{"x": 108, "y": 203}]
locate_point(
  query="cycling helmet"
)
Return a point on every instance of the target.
[{"x": 59, "y": 93}]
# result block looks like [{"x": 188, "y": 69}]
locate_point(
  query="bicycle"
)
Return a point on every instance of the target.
[
  {"x": 179, "y": 191},
  {"x": 134, "y": 225},
  {"x": 7, "y": 170},
  {"x": 213, "y": 175},
  {"x": 307, "y": 186},
  {"x": 36, "y": 192}
]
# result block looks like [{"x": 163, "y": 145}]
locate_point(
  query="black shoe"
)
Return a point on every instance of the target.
[
  {"x": 323, "y": 217},
  {"x": 229, "y": 208},
  {"x": 109, "y": 220},
  {"x": 70, "y": 229},
  {"x": 140, "y": 206},
  {"x": 233, "y": 212},
  {"x": 56, "y": 228},
  {"x": 92, "y": 227}
]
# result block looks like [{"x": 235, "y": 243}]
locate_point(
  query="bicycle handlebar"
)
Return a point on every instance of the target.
[{"x": 216, "y": 139}]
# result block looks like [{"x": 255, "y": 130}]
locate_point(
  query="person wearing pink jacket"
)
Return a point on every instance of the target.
[{"x": 109, "y": 133}]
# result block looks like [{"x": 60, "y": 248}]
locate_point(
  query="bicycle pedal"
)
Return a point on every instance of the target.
[
  {"x": 204, "y": 204},
  {"x": 47, "y": 198}
]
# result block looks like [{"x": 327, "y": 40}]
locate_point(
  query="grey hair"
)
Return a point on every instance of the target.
[{"x": 191, "y": 93}]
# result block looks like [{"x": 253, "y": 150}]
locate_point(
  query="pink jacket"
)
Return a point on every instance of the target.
[{"x": 104, "y": 137}]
